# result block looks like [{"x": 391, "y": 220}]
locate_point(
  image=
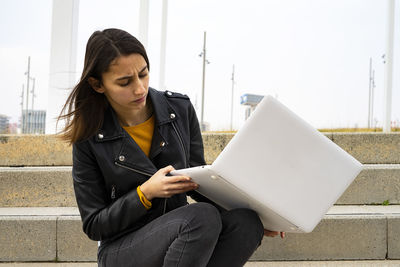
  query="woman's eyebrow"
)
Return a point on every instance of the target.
[
  {"x": 144, "y": 68},
  {"x": 125, "y": 77},
  {"x": 130, "y": 76}
]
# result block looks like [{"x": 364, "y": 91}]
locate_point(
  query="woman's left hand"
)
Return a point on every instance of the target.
[{"x": 273, "y": 233}]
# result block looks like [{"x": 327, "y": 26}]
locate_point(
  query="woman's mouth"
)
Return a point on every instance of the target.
[{"x": 140, "y": 100}]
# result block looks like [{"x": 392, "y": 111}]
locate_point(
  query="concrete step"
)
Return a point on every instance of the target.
[
  {"x": 379, "y": 263},
  {"x": 368, "y": 148},
  {"x": 44, "y": 234},
  {"x": 345, "y": 233},
  {"x": 47, "y": 150},
  {"x": 376, "y": 263},
  {"x": 36, "y": 187},
  {"x": 52, "y": 186}
]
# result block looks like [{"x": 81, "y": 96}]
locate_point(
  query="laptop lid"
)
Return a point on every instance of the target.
[{"x": 287, "y": 165}]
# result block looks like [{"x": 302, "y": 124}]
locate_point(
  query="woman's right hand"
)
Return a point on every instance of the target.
[{"x": 163, "y": 186}]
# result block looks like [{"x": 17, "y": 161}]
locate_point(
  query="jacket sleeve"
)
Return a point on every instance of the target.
[
  {"x": 101, "y": 219},
  {"x": 197, "y": 154}
]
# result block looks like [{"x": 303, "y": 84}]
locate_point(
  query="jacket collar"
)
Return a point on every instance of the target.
[
  {"x": 163, "y": 111},
  {"x": 111, "y": 129}
]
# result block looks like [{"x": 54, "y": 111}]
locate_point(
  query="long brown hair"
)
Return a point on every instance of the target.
[{"x": 84, "y": 108}]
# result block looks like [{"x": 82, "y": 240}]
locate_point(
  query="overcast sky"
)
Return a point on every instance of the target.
[{"x": 312, "y": 54}]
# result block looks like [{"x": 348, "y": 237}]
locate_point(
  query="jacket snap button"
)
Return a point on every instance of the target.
[
  {"x": 121, "y": 158},
  {"x": 172, "y": 116},
  {"x": 100, "y": 136},
  {"x": 169, "y": 93},
  {"x": 162, "y": 144}
]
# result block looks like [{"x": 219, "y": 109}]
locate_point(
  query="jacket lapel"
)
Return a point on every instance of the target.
[
  {"x": 162, "y": 111},
  {"x": 130, "y": 154}
]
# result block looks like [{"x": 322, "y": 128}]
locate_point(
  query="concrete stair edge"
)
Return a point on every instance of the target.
[
  {"x": 52, "y": 186},
  {"x": 47, "y": 150},
  {"x": 345, "y": 233}
]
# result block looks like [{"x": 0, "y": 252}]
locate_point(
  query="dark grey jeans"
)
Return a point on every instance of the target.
[{"x": 192, "y": 235}]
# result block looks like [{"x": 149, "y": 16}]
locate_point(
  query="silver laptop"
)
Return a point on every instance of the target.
[{"x": 280, "y": 166}]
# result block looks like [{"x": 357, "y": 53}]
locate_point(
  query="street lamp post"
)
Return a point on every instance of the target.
[
  {"x": 27, "y": 73},
  {"x": 205, "y": 61},
  {"x": 233, "y": 85}
]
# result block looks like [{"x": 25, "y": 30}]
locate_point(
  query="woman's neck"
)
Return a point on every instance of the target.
[{"x": 135, "y": 117}]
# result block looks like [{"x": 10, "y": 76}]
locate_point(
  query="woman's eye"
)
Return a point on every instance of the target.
[
  {"x": 143, "y": 75},
  {"x": 125, "y": 84}
]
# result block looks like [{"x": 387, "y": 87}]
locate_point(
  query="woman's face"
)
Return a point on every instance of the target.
[{"x": 126, "y": 83}]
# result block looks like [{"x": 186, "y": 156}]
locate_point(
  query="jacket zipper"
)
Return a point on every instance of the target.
[
  {"x": 113, "y": 192},
  {"x": 144, "y": 173},
  {"x": 132, "y": 169},
  {"x": 181, "y": 142}
]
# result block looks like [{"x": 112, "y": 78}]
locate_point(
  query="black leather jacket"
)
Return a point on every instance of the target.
[{"x": 108, "y": 167}]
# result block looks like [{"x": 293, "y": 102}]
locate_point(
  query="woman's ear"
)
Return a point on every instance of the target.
[{"x": 96, "y": 85}]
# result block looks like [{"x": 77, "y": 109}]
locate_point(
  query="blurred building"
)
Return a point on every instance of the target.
[
  {"x": 4, "y": 124},
  {"x": 33, "y": 122},
  {"x": 13, "y": 128}
]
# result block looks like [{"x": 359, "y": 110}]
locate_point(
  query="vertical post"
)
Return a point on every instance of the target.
[
  {"x": 64, "y": 32},
  {"x": 22, "y": 109},
  {"x": 33, "y": 91},
  {"x": 369, "y": 93},
  {"x": 27, "y": 95},
  {"x": 388, "y": 68},
  {"x": 144, "y": 21},
  {"x": 33, "y": 119},
  {"x": 233, "y": 85},
  {"x": 163, "y": 46},
  {"x": 203, "y": 81},
  {"x": 372, "y": 97}
]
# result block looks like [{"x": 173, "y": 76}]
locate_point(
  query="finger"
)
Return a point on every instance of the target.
[
  {"x": 177, "y": 179},
  {"x": 283, "y": 234},
  {"x": 171, "y": 192},
  {"x": 167, "y": 169},
  {"x": 180, "y": 191},
  {"x": 181, "y": 186},
  {"x": 270, "y": 233}
]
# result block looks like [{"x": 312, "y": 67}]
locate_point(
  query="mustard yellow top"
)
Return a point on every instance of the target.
[{"x": 142, "y": 134}]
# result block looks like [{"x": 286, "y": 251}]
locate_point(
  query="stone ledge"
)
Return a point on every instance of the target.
[
  {"x": 335, "y": 238},
  {"x": 373, "y": 263},
  {"x": 346, "y": 232},
  {"x": 36, "y": 187},
  {"x": 52, "y": 186},
  {"x": 27, "y": 238},
  {"x": 47, "y": 150}
]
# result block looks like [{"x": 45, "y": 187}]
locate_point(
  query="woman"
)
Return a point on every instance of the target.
[{"x": 126, "y": 139}]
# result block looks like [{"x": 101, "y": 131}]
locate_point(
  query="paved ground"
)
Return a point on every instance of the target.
[{"x": 382, "y": 263}]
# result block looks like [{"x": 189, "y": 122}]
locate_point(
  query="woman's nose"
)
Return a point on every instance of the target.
[{"x": 139, "y": 88}]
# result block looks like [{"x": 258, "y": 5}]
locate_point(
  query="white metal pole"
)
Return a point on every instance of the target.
[
  {"x": 203, "y": 82},
  {"x": 369, "y": 93},
  {"x": 388, "y": 68},
  {"x": 33, "y": 92},
  {"x": 163, "y": 47},
  {"x": 22, "y": 109},
  {"x": 233, "y": 85},
  {"x": 144, "y": 22},
  {"x": 27, "y": 96},
  {"x": 64, "y": 33}
]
